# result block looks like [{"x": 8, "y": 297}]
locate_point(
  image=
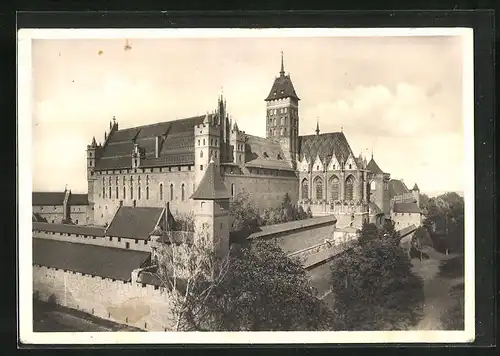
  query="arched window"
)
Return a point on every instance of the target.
[
  {"x": 139, "y": 192},
  {"x": 182, "y": 192},
  {"x": 171, "y": 191},
  {"x": 161, "y": 191},
  {"x": 131, "y": 192},
  {"x": 109, "y": 191},
  {"x": 123, "y": 180},
  {"x": 349, "y": 187},
  {"x": 233, "y": 190},
  {"x": 305, "y": 189},
  {"x": 116, "y": 193},
  {"x": 103, "y": 192},
  {"x": 147, "y": 192},
  {"x": 334, "y": 188},
  {"x": 124, "y": 193},
  {"x": 318, "y": 187},
  {"x": 147, "y": 180},
  {"x": 372, "y": 185},
  {"x": 116, "y": 180}
]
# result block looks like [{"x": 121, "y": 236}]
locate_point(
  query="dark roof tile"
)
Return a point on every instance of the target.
[
  {"x": 211, "y": 186},
  {"x": 397, "y": 187},
  {"x": 95, "y": 260},
  {"x": 265, "y": 153},
  {"x": 134, "y": 222},
  {"x": 325, "y": 145},
  {"x": 282, "y": 88},
  {"x": 400, "y": 207},
  {"x": 78, "y": 199},
  {"x": 69, "y": 229},
  {"x": 373, "y": 167},
  {"x": 47, "y": 198}
]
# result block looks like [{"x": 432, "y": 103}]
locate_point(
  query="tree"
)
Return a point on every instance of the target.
[
  {"x": 453, "y": 317},
  {"x": 244, "y": 214},
  {"x": 420, "y": 239},
  {"x": 189, "y": 273},
  {"x": 369, "y": 232},
  {"x": 375, "y": 288},
  {"x": 266, "y": 290}
]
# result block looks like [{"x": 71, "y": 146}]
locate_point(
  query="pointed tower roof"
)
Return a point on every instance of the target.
[
  {"x": 415, "y": 187},
  {"x": 373, "y": 167},
  {"x": 211, "y": 186},
  {"x": 282, "y": 86},
  {"x": 94, "y": 143},
  {"x": 317, "y": 128}
]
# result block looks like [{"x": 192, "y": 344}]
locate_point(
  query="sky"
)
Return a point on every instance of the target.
[{"x": 398, "y": 96}]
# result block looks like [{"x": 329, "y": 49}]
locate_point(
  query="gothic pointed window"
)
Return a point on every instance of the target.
[
  {"x": 124, "y": 193},
  {"x": 104, "y": 192},
  {"x": 349, "y": 188},
  {"x": 161, "y": 191},
  {"x": 171, "y": 191},
  {"x": 305, "y": 189},
  {"x": 318, "y": 187},
  {"x": 109, "y": 191},
  {"x": 182, "y": 192},
  {"x": 139, "y": 192},
  {"x": 334, "y": 188},
  {"x": 147, "y": 192},
  {"x": 131, "y": 192},
  {"x": 116, "y": 192},
  {"x": 147, "y": 180}
]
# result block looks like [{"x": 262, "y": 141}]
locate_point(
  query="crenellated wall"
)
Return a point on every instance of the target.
[{"x": 139, "y": 305}]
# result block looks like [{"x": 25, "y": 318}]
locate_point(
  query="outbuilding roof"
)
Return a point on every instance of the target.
[
  {"x": 211, "y": 186},
  {"x": 134, "y": 222},
  {"x": 69, "y": 229},
  {"x": 108, "y": 262},
  {"x": 401, "y": 207}
]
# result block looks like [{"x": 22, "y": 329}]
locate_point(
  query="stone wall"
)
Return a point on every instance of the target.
[
  {"x": 52, "y": 213},
  {"x": 403, "y": 220},
  {"x": 143, "y": 306},
  {"x": 132, "y": 244},
  {"x": 265, "y": 191}
]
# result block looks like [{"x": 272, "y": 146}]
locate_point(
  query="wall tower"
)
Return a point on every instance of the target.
[
  {"x": 282, "y": 118},
  {"x": 207, "y": 145}
]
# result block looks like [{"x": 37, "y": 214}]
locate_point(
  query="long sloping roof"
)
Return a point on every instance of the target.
[
  {"x": 134, "y": 222},
  {"x": 265, "y": 153},
  {"x": 177, "y": 145},
  {"x": 282, "y": 88},
  {"x": 78, "y": 199},
  {"x": 69, "y": 229},
  {"x": 211, "y": 186},
  {"x": 47, "y": 198},
  {"x": 397, "y": 187},
  {"x": 95, "y": 260},
  {"x": 401, "y": 207},
  {"x": 325, "y": 145},
  {"x": 373, "y": 167}
]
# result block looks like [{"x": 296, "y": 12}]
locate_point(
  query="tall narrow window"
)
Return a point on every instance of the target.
[
  {"x": 305, "y": 189},
  {"x": 139, "y": 192},
  {"x": 124, "y": 193},
  {"x": 116, "y": 180},
  {"x": 147, "y": 192},
  {"x": 104, "y": 192},
  {"x": 201, "y": 154},
  {"x": 109, "y": 190},
  {"x": 131, "y": 192},
  {"x": 147, "y": 180},
  {"x": 182, "y": 192},
  {"x": 349, "y": 185},
  {"x": 116, "y": 193},
  {"x": 334, "y": 188},
  {"x": 318, "y": 185},
  {"x": 171, "y": 191},
  {"x": 233, "y": 189},
  {"x": 161, "y": 191}
]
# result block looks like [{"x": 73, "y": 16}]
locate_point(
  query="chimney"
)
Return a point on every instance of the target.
[{"x": 157, "y": 147}]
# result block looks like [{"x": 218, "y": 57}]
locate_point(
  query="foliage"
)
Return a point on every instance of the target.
[
  {"x": 256, "y": 288},
  {"x": 243, "y": 213},
  {"x": 184, "y": 222},
  {"x": 421, "y": 238},
  {"x": 375, "y": 288},
  {"x": 369, "y": 232},
  {"x": 266, "y": 290},
  {"x": 453, "y": 317}
]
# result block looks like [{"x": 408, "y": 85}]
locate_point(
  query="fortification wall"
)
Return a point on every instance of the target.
[
  {"x": 139, "y": 245},
  {"x": 142, "y": 306},
  {"x": 265, "y": 191}
]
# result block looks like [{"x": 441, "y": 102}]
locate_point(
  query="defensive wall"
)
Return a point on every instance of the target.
[{"x": 139, "y": 305}]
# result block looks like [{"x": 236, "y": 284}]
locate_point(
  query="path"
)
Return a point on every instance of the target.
[{"x": 436, "y": 291}]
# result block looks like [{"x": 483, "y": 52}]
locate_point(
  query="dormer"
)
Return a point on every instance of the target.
[
  {"x": 317, "y": 165},
  {"x": 304, "y": 165},
  {"x": 333, "y": 164}
]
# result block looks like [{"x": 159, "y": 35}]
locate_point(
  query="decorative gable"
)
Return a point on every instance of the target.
[
  {"x": 334, "y": 164},
  {"x": 350, "y": 163},
  {"x": 318, "y": 165},
  {"x": 304, "y": 165}
]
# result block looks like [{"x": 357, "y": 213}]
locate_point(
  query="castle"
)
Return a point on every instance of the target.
[{"x": 147, "y": 166}]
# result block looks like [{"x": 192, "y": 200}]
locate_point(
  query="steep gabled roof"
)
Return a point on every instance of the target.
[
  {"x": 415, "y": 187},
  {"x": 108, "y": 262},
  {"x": 282, "y": 88},
  {"x": 177, "y": 147},
  {"x": 265, "y": 153},
  {"x": 397, "y": 187},
  {"x": 134, "y": 222},
  {"x": 211, "y": 186},
  {"x": 373, "y": 167},
  {"x": 47, "y": 198},
  {"x": 325, "y": 145},
  {"x": 402, "y": 207}
]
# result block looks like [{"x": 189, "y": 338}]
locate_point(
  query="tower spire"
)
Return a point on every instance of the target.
[
  {"x": 372, "y": 152},
  {"x": 282, "y": 72},
  {"x": 317, "y": 127}
]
